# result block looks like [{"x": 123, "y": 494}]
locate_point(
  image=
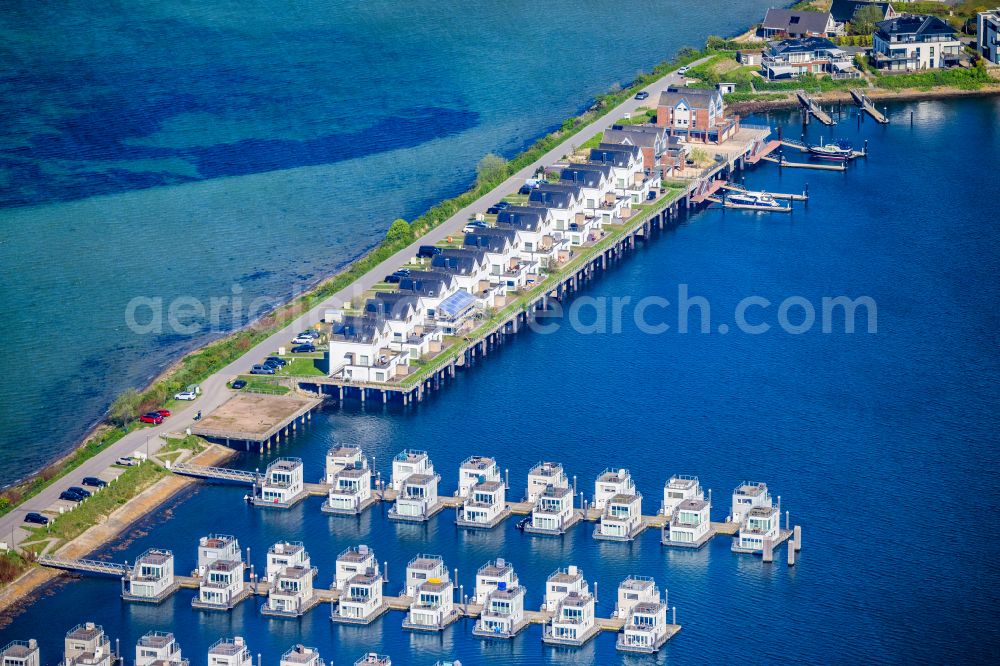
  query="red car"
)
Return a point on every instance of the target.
[
  {"x": 152, "y": 417},
  {"x": 163, "y": 412}
]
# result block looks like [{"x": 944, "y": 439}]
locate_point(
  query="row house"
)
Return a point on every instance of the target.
[
  {"x": 535, "y": 225},
  {"x": 661, "y": 152},
  {"x": 406, "y": 313},
  {"x": 471, "y": 270},
  {"x": 360, "y": 349},
  {"x": 565, "y": 202},
  {"x": 791, "y": 58},
  {"x": 629, "y": 176},
  {"x": 503, "y": 246},
  {"x": 698, "y": 115},
  {"x": 601, "y": 204},
  {"x": 151, "y": 578}
]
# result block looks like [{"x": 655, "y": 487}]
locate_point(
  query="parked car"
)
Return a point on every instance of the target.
[
  {"x": 239, "y": 383},
  {"x": 651, "y": 195},
  {"x": 126, "y": 461},
  {"x": 402, "y": 272},
  {"x": 36, "y": 518},
  {"x": 302, "y": 349},
  {"x": 70, "y": 496},
  {"x": 392, "y": 279},
  {"x": 163, "y": 412},
  {"x": 473, "y": 227},
  {"x": 428, "y": 251},
  {"x": 641, "y": 95},
  {"x": 277, "y": 359},
  {"x": 262, "y": 370},
  {"x": 185, "y": 395},
  {"x": 94, "y": 482},
  {"x": 274, "y": 365},
  {"x": 79, "y": 491},
  {"x": 151, "y": 417},
  {"x": 315, "y": 334},
  {"x": 525, "y": 189},
  {"x": 683, "y": 70}
]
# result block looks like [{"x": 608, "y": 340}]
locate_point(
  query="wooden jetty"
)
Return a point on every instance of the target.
[
  {"x": 865, "y": 103},
  {"x": 783, "y": 163},
  {"x": 810, "y": 106}
]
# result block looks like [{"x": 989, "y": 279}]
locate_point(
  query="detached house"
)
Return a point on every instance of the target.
[
  {"x": 843, "y": 11},
  {"x": 790, "y": 58},
  {"x": 988, "y": 35},
  {"x": 914, "y": 42},
  {"x": 791, "y": 23},
  {"x": 695, "y": 114}
]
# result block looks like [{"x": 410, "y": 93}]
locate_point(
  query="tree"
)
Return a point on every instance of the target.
[
  {"x": 399, "y": 233},
  {"x": 125, "y": 407},
  {"x": 491, "y": 169},
  {"x": 864, "y": 20}
]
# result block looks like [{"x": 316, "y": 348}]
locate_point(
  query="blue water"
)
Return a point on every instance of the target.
[
  {"x": 882, "y": 445},
  {"x": 250, "y": 148}
]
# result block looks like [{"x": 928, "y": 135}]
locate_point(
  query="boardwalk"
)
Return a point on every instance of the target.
[
  {"x": 811, "y": 107},
  {"x": 866, "y": 105}
]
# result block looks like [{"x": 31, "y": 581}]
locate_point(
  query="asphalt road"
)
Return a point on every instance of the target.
[{"x": 214, "y": 389}]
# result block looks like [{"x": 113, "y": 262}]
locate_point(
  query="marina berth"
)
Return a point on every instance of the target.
[
  {"x": 690, "y": 525},
  {"x": 285, "y": 554},
  {"x": 503, "y": 613},
  {"x": 746, "y": 496},
  {"x": 542, "y": 476},
  {"x": 351, "y": 562},
  {"x": 351, "y": 491},
  {"x": 573, "y": 621},
  {"x": 433, "y": 606},
  {"x": 418, "y": 500},
  {"x": 485, "y": 507},
  {"x": 342, "y": 456},
  {"x": 158, "y": 648},
  {"x": 283, "y": 484},
  {"x": 678, "y": 488},
  {"x": 21, "y": 653},
  {"x": 360, "y": 600},
  {"x": 476, "y": 469},
  {"x": 230, "y": 652},
  {"x": 87, "y": 645},
  {"x": 612, "y": 482},
  {"x": 151, "y": 578},
  {"x": 409, "y": 462},
  {"x": 760, "y": 528},
  {"x": 553, "y": 512},
  {"x": 491, "y": 575},
  {"x": 300, "y": 655},
  {"x": 291, "y": 592},
  {"x": 621, "y": 519}
]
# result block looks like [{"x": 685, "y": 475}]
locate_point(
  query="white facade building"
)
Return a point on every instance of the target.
[
  {"x": 158, "y": 648},
  {"x": 988, "y": 35},
  {"x": 353, "y": 561},
  {"x": 300, "y": 655},
  {"x": 291, "y": 592},
  {"x": 433, "y": 606},
  {"x": 351, "y": 491},
  {"x": 361, "y": 600},
  {"x": 151, "y": 578},
  {"x": 678, "y": 488},
  {"x": 285, "y": 554},
  {"x": 491, "y": 575},
  {"x": 561, "y": 583},
  {"x": 553, "y": 511},
  {"x": 543, "y": 475},
  {"x": 762, "y": 525},
  {"x": 503, "y": 613},
  {"x": 421, "y": 569},
  {"x": 283, "y": 483},
  {"x": 485, "y": 506},
  {"x": 409, "y": 462},
  {"x": 418, "y": 500},
  {"x": 476, "y": 469},
  {"x": 690, "y": 524},
  {"x": 87, "y": 645},
  {"x": 573, "y": 622},
  {"x": 21, "y": 653},
  {"x": 746, "y": 496},
  {"x": 342, "y": 456},
  {"x": 909, "y": 42},
  {"x": 229, "y": 652},
  {"x": 621, "y": 519},
  {"x": 612, "y": 482}
]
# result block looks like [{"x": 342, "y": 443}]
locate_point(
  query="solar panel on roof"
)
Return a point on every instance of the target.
[{"x": 456, "y": 303}]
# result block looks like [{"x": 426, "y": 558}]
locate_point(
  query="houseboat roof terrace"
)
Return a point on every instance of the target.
[
  {"x": 435, "y": 585},
  {"x": 156, "y": 639},
  {"x": 155, "y": 556},
  {"x": 300, "y": 654},
  {"x": 356, "y": 554},
  {"x": 228, "y": 646},
  {"x": 638, "y": 583},
  {"x": 691, "y": 505},
  {"x": 411, "y": 455},
  {"x": 344, "y": 450},
  {"x": 479, "y": 463},
  {"x": 546, "y": 469},
  {"x": 750, "y": 488},
  {"x": 420, "y": 479},
  {"x": 497, "y": 567},
  {"x": 85, "y": 631},
  {"x": 570, "y": 574},
  {"x": 648, "y": 607},
  {"x": 286, "y": 548},
  {"x": 488, "y": 486},
  {"x": 682, "y": 482},
  {"x": 556, "y": 492},
  {"x": 296, "y": 572},
  {"x": 576, "y": 599},
  {"x": 425, "y": 562},
  {"x": 216, "y": 540},
  {"x": 613, "y": 475},
  {"x": 19, "y": 649}
]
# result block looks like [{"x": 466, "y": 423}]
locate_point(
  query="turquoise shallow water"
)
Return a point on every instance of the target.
[
  {"x": 883, "y": 446},
  {"x": 162, "y": 150}
]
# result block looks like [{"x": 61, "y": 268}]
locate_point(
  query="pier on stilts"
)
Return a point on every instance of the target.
[{"x": 866, "y": 105}]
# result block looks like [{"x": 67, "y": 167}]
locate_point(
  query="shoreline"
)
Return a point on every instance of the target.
[
  {"x": 839, "y": 96},
  {"x": 22, "y": 590}
]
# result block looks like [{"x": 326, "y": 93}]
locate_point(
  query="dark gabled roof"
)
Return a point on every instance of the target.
[
  {"x": 394, "y": 305},
  {"x": 456, "y": 264},
  {"x": 787, "y": 20},
  {"x": 910, "y": 24},
  {"x": 586, "y": 175},
  {"x": 694, "y": 98},
  {"x": 843, "y": 11},
  {"x": 616, "y": 154},
  {"x": 528, "y": 218},
  {"x": 427, "y": 283},
  {"x": 357, "y": 329},
  {"x": 803, "y": 45},
  {"x": 493, "y": 239},
  {"x": 645, "y": 136},
  {"x": 555, "y": 196}
]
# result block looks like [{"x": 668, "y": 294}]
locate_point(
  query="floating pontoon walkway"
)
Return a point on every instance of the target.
[
  {"x": 865, "y": 103},
  {"x": 782, "y": 162},
  {"x": 810, "y": 106}
]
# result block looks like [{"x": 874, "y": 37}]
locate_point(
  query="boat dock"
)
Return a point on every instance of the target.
[
  {"x": 777, "y": 195},
  {"x": 783, "y": 163},
  {"x": 810, "y": 107},
  {"x": 866, "y": 105}
]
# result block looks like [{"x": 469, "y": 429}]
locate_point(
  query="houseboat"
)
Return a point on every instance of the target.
[
  {"x": 283, "y": 484},
  {"x": 433, "y": 606},
  {"x": 285, "y": 554},
  {"x": 562, "y": 582},
  {"x": 21, "y": 653},
  {"x": 300, "y": 655},
  {"x": 407, "y": 463},
  {"x": 353, "y": 561},
  {"x": 746, "y": 496},
  {"x": 421, "y": 569},
  {"x": 612, "y": 482},
  {"x": 761, "y": 526},
  {"x": 360, "y": 600},
  {"x": 542, "y": 476},
  {"x": 418, "y": 499},
  {"x": 87, "y": 645},
  {"x": 690, "y": 525},
  {"x": 476, "y": 469},
  {"x": 291, "y": 592},
  {"x": 220, "y": 573},
  {"x": 573, "y": 622},
  {"x": 634, "y": 590},
  {"x": 230, "y": 652},
  {"x": 158, "y": 648},
  {"x": 491, "y": 575},
  {"x": 351, "y": 491},
  {"x": 485, "y": 506},
  {"x": 151, "y": 578},
  {"x": 621, "y": 519},
  {"x": 374, "y": 659},
  {"x": 340, "y": 457},
  {"x": 645, "y": 629},
  {"x": 678, "y": 488},
  {"x": 503, "y": 613},
  {"x": 553, "y": 512}
]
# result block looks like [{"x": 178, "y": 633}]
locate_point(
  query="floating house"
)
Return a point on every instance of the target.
[
  {"x": 341, "y": 457},
  {"x": 285, "y": 554},
  {"x": 485, "y": 506},
  {"x": 158, "y": 648},
  {"x": 761, "y": 526},
  {"x": 543, "y": 475},
  {"x": 300, "y": 655},
  {"x": 562, "y": 582},
  {"x": 746, "y": 496},
  {"x": 229, "y": 652},
  {"x": 217, "y": 547},
  {"x": 476, "y": 469},
  {"x": 421, "y": 569},
  {"x": 351, "y": 491},
  {"x": 634, "y": 590},
  {"x": 491, "y": 575},
  {"x": 87, "y": 645},
  {"x": 21, "y": 653},
  {"x": 418, "y": 499},
  {"x": 361, "y": 600},
  {"x": 573, "y": 622},
  {"x": 374, "y": 659},
  {"x": 690, "y": 525},
  {"x": 553, "y": 512},
  {"x": 645, "y": 629},
  {"x": 220, "y": 573},
  {"x": 291, "y": 592},
  {"x": 612, "y": 482},
  {"x": 621, "y": 519},
  {"x": 283, "y": 484},
  {"x": 503, "y": 613},
  {"x": 151, "y": 578},
  {"x": 432, "y": 591},
  {"x": 678, "y": 488},
  {"x": 407, "y": 463},
  {"x": 353, "y": 561}
]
